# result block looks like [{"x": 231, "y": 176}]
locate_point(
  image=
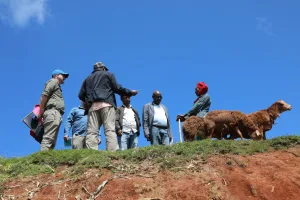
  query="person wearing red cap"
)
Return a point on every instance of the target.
[{"x": 201, "y": 104}]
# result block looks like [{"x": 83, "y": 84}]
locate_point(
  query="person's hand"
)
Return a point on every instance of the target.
[
  {"x": 120, "y": 132},
  {"x": 40, "y": 115},
  {"x": 148, "y": 137},
  {"x": 171, "y": 141},
  {"x": 134, "y": 92},
  {"x": 99, "y": 141},
  {"x": 66, "y": 138},
  {"x": 180, "y": 117}
]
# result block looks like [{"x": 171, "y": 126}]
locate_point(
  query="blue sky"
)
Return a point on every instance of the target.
[{"x": 246, "y": 51}]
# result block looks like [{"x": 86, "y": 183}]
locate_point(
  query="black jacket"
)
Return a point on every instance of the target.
[
  {"x": 101, "y": 86},
  {"x": 119, "y": 119}
]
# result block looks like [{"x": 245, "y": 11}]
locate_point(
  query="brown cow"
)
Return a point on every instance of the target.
[
  {"x": 221, "y": 121},
  {"x": 217, "y": 123},
  {"x": 263, "y": 119},
  {"x": 194, "y": 126}
]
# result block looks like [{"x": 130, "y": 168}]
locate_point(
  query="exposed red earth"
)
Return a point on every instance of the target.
[{"x": 272, "y": 175}]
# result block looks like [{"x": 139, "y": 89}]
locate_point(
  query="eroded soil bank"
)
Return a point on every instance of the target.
[{"x": 272, "y": 175}]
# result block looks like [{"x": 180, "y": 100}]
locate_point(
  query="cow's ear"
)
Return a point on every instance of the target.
[{"x": 281, "y": 102}]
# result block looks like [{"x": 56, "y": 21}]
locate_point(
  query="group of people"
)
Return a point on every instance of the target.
[{"x": 98, "y": 107}]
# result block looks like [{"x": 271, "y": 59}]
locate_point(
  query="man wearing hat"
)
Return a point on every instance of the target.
[
  {"x": 52, "y": 108},
  {"x": 98, "y": 91}
]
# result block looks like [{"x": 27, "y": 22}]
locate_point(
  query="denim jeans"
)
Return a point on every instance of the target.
[
  {"x": 159, "y": 136},
  {"x": 128, "y": 141}
]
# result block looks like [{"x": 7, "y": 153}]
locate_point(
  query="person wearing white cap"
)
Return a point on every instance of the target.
[{"x": 52, "y": 107}]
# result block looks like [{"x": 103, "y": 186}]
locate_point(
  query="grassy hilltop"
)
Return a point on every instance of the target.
[{"x": 165, "y": 157}]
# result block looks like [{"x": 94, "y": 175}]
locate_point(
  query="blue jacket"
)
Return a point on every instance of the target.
[
  {"x": 200, "y": 107},
  {"x": 77, "y": 121},
  {"x": 148, "y": 116}
]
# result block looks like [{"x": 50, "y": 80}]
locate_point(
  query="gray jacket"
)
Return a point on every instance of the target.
[
  {"x": 148, "y": 116},
  {"x": 200, "y": 108}
]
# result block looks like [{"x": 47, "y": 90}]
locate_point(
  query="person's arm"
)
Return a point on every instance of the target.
[
  {"x": 118, "y": 123},
  {"x": 146, "y": 121},
  {"x": 197, "y": 106},
  {"x": 50, "y": 87},
  {"x": 117, "y": 88},
  {"x": 68, "y": 124},
  {"x": 82, "y": 92},
  {"x": 138, "y": 121},
  {"x": 43, "y": 101},
  {"x": 169, "y": 127},
  {"x": 138, "y": 118}
]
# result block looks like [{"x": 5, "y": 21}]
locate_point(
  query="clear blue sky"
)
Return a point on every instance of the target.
[{"x": 246, "y": 51}]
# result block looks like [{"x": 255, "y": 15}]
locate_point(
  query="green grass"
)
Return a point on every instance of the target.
[{"x": 166, "y": 157}]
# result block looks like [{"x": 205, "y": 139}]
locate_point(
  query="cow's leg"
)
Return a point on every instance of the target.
[
  {"x": 239, "y": 132},
  {"x": 219, "y": 137},
  {"x": 224, "y": 132},
  {"x": 211, "y": 132},
  {"x": 262, "y": 131},
  {"x": 210, "y": 128},
  {"x": 264, "y": 135},
  {"x": 232, "y": 130}
]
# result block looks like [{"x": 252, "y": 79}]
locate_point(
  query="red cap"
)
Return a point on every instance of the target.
[{"x": 203, "y": 88}]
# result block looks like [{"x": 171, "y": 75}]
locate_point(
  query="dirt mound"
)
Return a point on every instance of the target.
[{"x": 273, "y": 175}]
